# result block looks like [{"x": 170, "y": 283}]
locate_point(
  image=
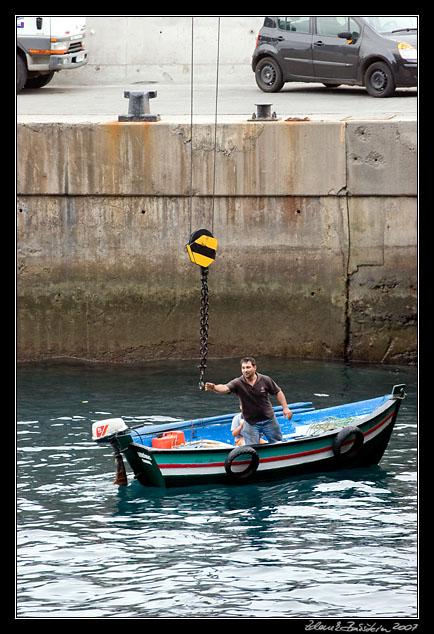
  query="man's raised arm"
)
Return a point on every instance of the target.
[{"x": 220, "y": 388}]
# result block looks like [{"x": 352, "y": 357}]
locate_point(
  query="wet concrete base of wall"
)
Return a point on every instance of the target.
[{"x": 108, "y": 278}]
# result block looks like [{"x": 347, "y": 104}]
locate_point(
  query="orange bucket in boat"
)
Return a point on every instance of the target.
[{"x": 169, "y": 440}]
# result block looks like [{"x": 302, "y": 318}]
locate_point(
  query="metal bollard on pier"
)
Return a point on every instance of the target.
[{"x": 138, "y": 106}]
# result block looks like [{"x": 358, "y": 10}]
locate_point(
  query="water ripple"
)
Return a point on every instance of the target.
[{"x": 331, "y": 545}]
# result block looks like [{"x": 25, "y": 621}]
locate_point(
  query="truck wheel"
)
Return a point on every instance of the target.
[
  {"x": 21, "y": 73},
  {"x": 39, "y": 81},
  {"x": 379, "y": 80}
]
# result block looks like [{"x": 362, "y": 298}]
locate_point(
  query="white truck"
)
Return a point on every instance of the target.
[{"x": 47, "y": 44}]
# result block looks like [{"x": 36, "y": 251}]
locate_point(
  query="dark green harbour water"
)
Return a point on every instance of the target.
[{"x": 336, "y": 545}]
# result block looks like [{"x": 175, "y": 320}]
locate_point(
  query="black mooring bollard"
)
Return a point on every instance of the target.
[
  {"x": 138, "y": 106},
  {"x": 263, "y": 113}
]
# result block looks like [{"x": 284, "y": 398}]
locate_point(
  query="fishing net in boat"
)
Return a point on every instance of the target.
[{"x": 328, "y": 424}]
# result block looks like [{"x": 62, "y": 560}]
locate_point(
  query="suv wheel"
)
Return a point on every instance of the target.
[
  {"x": 268, "y": 75},
  {"x": 379, "y": 80}
]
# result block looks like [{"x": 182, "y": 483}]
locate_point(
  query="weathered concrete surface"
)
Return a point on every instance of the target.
[
  {"x": 127, "y": 159},
  {"x": 382, "y": 279},
  {"x": 382, "y": 158},
  {"x": 317, "y": 235}
]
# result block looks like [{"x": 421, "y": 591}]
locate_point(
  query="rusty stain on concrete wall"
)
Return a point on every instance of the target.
[{"x": 317, "y": 257}]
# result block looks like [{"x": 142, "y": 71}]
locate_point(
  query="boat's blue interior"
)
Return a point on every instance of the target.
[{"x": 218, "y": 428}]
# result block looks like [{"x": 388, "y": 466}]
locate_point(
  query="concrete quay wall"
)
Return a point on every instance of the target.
[{"x": 316, "y": 223}]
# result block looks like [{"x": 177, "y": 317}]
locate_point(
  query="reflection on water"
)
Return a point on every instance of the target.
[{"x": 332, "y": 545}]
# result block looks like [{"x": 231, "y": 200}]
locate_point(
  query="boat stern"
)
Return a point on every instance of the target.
[{"x": 142, "y": 462}]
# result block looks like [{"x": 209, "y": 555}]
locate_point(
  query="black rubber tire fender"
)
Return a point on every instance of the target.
[
  {"x": 252, "y": 466},
  {"x": 341, "y": 437}
]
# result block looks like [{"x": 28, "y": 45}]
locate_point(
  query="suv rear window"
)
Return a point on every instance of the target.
[{"x": 294, "y": 23}]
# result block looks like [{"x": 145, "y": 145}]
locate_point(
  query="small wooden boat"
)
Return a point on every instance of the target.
[{"x": 202, "y": 451}]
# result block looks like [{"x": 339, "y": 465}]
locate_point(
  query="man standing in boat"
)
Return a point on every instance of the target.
[{"x": 253, "y": 390}]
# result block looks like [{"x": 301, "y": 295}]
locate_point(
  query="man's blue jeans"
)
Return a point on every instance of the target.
[{"x": 270, "y": 428}]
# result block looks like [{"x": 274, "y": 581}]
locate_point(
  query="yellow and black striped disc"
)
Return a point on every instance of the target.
[{"x": 202, "y": 247}]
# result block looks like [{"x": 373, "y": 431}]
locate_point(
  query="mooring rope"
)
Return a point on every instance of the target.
[
  {"x": 191, "y": 122},
  {"x": 215, "y": 121}
]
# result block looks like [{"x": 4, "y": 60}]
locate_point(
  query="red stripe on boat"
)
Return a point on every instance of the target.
[{"x": 273, "y": 458}]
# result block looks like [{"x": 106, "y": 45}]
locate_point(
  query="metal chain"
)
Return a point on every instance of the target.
[
  {"x": 204, "y": 314},
  {"x": 204, "y": 295}
]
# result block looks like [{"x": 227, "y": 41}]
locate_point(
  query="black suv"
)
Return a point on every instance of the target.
[{"x": 379, "y": 52}]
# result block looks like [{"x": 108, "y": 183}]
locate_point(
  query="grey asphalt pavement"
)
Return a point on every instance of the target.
[{"x": 100, "y": 103}]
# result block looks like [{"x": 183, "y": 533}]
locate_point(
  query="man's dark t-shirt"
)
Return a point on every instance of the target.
[{"x": 254, "y": 399}]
